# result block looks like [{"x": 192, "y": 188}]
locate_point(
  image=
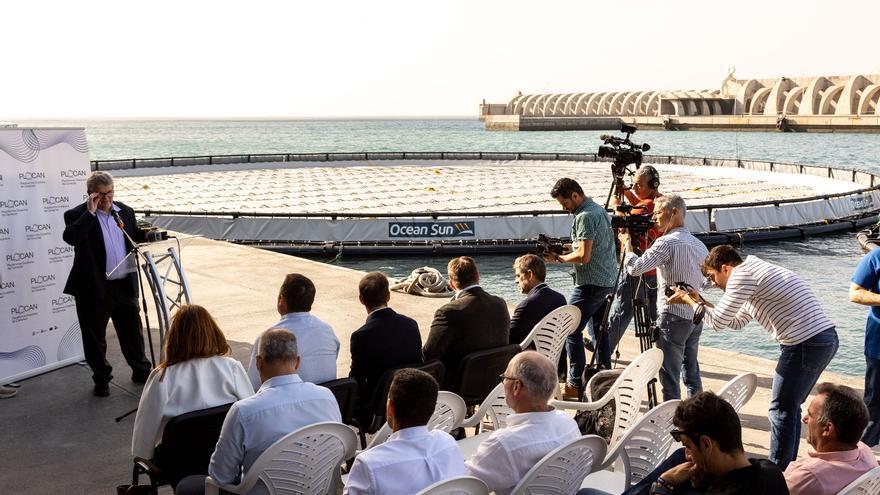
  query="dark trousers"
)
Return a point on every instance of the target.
[
  {"x": 872, "y": 399},
  {"x": 590, "y": 299},
  {"x": 93, "y": 316}
]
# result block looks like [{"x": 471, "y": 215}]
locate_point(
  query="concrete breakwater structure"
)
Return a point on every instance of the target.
[
  {"x": 821, "y": 103},
  {"x": 451, "y": 203}
]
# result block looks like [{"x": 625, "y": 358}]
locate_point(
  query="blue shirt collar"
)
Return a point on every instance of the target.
[{"x": 280, "y": 381}]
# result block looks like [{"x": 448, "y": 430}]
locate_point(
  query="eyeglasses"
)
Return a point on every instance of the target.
[
  {"x": 105, "y": 194},
  {"x": 677, "y": 434},
  {"x": 503, "y": 377}
]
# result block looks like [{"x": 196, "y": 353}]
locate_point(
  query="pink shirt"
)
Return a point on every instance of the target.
[{"x": 826, "y": 473}]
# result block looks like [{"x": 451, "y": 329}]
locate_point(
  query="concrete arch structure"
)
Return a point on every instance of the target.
[
  {"x": 848, "y": 103},
  {"x": 828, "y": 105},
  {"x": 744, "y": 96},
  {"x": 870, "y": 101},
  {"x": 759, "y": 101},
  {"x": 776, "y": 99},
  {"x": 813, "y": 96},
  {"x": 792, "y": 103}
]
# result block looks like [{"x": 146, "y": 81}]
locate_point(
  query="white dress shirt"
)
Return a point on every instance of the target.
[
  {"x": 410, "y": 460},
  {"x": 283, "y": 404},
  {"x": 189, "y": 386},
  {"x": 507, "y": 455},
  {"x": 317, "y": 347}
]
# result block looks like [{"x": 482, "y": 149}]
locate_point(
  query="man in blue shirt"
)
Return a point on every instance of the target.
[
  {"x": 282, "y": 405},
  {"x": 595, "y": 271},
  {"x": 865, "y": 289}
]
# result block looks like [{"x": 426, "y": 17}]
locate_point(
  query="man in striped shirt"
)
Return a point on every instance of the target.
[
  {"x": 677, "y": 256},
  {"x": 786, "y": 307}
]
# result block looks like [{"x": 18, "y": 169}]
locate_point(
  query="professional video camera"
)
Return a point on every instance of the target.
[
  {"x": 635, "y": 224},
  {"x": 622, "y": 151},
  {"x": 669, "y": 291},
  {"x": 545, "y": 244}
]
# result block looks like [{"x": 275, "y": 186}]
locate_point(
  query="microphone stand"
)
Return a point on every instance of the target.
[{"x": 135, "y": 249}]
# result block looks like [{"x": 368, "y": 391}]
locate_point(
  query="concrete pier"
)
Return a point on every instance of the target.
[
  {"x": 58, "y": 438},
  {"x": 790, "y": 123}
]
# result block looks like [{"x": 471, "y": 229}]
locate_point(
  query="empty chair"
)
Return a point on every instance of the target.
[
  {"x": 563, "y": 470},
  {"x": 305, "y": 461},
  {"x": 739, "y": 390},
  {"x": 638, "y": 452},
  {"x": 866, "y": 484},
  {"x": 549, "y": 334},
  {"x": 187, "y": 444},
  {"x": 479, "y": 371},
  {"x": 345, "y": 390},
  {"x": 627, "y": 392},
  {"x": 448, "y": 415},
  {"x": 462, "y": 485}
]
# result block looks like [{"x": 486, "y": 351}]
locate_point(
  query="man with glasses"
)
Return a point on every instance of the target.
[
  {"x": 540, "y": 300},
  {"x": 103, "y": 281},
  {"x": 786, "y": 307},
  {"x": 532, "y": 432}
]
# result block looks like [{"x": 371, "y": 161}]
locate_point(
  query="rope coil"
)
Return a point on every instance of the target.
[{"x": 424, "y": 281}]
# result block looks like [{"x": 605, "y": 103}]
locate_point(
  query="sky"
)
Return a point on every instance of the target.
[{"x": 312, "y": 59}]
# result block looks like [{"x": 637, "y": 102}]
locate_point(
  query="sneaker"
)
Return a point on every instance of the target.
[
  {"x": 7, "y": 392},
  {"x": 570, "y": 392},
  {"x": 101, "y": 390}
]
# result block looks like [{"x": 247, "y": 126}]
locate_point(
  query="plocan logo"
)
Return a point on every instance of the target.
[
  {"x": 5, "y": 233},
  {"x": 23, "y": 311},
  {"x": 431, "y": 229},
  {"x": 40, "y": 283},
  {"x": 17, "y": 260},
  {"x": 59, "y": 254},
  {"x": 62, "y": 303},
  {"x": 12, "y": 206},
  {"x": 72, "y": 177},
  {"x": 31, "y": 179},
  {"x": 37, "y": 230},
  {"x": 7, "y": 287}
]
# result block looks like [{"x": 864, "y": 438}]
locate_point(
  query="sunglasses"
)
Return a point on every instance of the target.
[{"x": 678, "y": 434}]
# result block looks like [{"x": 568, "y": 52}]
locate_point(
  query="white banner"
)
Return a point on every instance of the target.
[{"x": 42, "y": 174}]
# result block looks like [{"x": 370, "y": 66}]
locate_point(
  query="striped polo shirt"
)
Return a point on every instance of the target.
[
  {"x": 677, "y": 255},
  {"x": 780, "y": 300}
]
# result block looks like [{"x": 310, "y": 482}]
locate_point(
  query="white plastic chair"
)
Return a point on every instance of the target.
[
  {"x": 462, "y": 485},
  {"x": 494, "y": 407},
  {"x": 627, "y": 392},
  {"x": 448, "y": 415},
  {"x": 866, "y": 484},
  {"x": 307, "y": 460},
  {"x": 550, "y": 333},
  {"x": 640, "y": 450},
  {"x": 563, "y": 470},
  {"x": 739, "y": 390}
]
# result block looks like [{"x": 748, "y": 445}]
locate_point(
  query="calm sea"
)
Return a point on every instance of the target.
[{"x": 826, "y": 262}]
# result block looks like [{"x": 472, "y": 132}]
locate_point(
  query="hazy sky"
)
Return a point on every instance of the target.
[{"x": 381, "y": 58}]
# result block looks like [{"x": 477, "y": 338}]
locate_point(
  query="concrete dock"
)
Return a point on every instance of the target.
[{"x": 58, "y": 438}]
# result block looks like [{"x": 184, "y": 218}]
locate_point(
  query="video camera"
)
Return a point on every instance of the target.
[
  {"x": 156, "y": 235},
  {"x": 669, "y": 291},
  {"x": 634, "y": 223},
  {"x": 622, "y": 151},
  {"x": 545, "y": 244}
]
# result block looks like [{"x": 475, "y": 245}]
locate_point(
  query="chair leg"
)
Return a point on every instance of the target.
[{"x": 135, "y": 475}]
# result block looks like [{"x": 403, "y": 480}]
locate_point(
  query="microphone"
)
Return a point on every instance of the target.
[{"x": 116, "y": 217}]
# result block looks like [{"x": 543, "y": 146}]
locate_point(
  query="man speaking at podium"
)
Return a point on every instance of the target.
[{"x": 103, "y": 281}]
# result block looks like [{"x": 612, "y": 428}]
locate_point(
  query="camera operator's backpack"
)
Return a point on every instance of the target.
[{"x": 601, "y": 421}]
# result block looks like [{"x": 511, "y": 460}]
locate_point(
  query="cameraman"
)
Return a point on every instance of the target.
[
  {"x": 677, "y": 256},
  {"x": 786, "y": 307},
  {"x": 645, "y": 184},
  {"x": 595, "y": 271}
]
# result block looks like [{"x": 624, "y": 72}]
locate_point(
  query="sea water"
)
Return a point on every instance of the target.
[{"x": 826, "y": 262}]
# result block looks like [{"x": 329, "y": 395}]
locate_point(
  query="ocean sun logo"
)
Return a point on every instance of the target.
[{"x": 431, "y": 229}]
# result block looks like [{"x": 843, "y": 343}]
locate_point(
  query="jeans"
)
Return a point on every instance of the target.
[
  {"x": 590, "y": 299},
  {"x": 679, "y": 339},
  {"x": 797, "y": 371},
  {"x": 872, "y": 400},
  {"x": 622, "y": 310},
  {"x": 643, "y": 487}
]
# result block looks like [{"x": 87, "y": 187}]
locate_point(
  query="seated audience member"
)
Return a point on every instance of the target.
[
  {"x": 196, "y": 373},
  {"x": 412, "y": 458},
  {"x": 387, "y": 340},
  {"x": 540, "y": 300},
  {"x": 282, "y": 405},
  {"x": 835, "y": 420},
  {"x": 713, "y": 458},
  {"x": 473, "y": 321},
  {"x": 318, "y": 345},
  {"x": 532, "y": 432}
]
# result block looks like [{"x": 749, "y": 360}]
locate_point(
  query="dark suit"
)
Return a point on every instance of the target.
[
  {"x": 99, "y": 300},
  {"x": 474, "y": 321},
  {"x": 539, "y": 302},
  {"x": 387, "y": 340}
]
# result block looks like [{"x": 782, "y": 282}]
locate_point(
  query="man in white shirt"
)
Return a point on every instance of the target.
[
  {"x": 533, "y": 432},
  {"x": 318, "y": 345},
  {"x": 282, "y": 405},
  {"x": 412, "y": 458}
]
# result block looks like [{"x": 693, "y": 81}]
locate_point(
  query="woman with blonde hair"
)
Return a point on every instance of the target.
[{"x": 196, "y": 373}]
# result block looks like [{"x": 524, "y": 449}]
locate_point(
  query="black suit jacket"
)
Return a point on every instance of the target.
[
  {"x": 88, "y": 277},
  {"x": 387, "y": 340},
  {"x": 539, "y": 302},
  {"x": 476, "y": 321}
]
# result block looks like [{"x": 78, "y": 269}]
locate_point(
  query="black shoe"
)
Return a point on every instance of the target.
[
  {"x": 588, "y": 344},
  {"x": 140, "y": 377},
  {"x": 101, "y": 390}
]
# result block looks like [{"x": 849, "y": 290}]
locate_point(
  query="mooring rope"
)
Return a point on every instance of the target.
[{"x": 424, "y": 281}]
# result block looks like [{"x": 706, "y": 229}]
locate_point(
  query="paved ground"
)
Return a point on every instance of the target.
[{"x": 58, "y": 438}]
